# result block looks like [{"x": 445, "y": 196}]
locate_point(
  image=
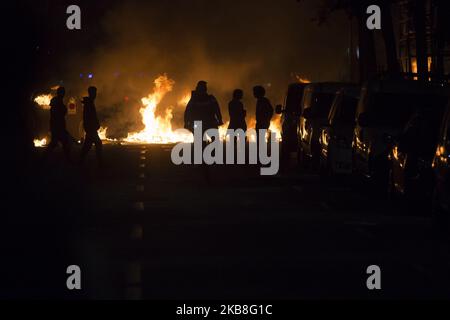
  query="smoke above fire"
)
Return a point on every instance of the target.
[{"x": 229, "y": 44}]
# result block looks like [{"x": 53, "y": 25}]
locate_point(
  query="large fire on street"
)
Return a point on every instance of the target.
[{"x": 157, "y": 129}]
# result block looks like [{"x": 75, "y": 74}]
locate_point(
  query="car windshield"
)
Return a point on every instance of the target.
[
  {"x": 422, "y": 130},
  {"x": 395, "y": 109},
  {"x": 346, "y": 111},
  {"x": 321, "y": 104}
]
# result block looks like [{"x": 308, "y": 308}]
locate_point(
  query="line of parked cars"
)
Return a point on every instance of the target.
[{"x": 395, "y": 133}]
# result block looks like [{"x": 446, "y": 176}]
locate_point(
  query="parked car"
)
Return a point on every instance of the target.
[
  {"x": 383, "y": 110},
  {"x": 316, "y": 104},
  {"x": 336, "y": 136},
  {"x": 290, "y": 114},
  {"x": 440, "y": 165},
  {"x": 411, "y": 155}
]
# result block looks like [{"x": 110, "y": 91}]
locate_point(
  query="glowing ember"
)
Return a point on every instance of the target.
[
  {"x": 43, "y": 101},
  {"x": 275, "y": 126},
  {"x": 158, "y": 129},
  {"x": 40, "y": 142},
  {"x": 223, "y": 130},
  {"x": 302, "y": 80},
  {"x": 102, "y": 133}
]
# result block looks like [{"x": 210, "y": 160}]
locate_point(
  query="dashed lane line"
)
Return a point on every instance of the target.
[
  {"x": 137, "y": 232},
  {"x": 133, "y": 290},
  {"x": 325, "y": 205},
  {"x": 139, "y": 206}
]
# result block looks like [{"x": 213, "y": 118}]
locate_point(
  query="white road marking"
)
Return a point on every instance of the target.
[
  {"x": 139, "y": 206},
  {"x": 340, "y": 189},
  {"x": 133, "y": 290},
  {"x": 360, "y": 223},
  {"x": 137, "y": 232},
  {"x": 133, "y": 293},
  {"x": 133, "y": 275},
  {"x": 364, "y": 232},
  {"x": 419, "y": 268},
  {"x": 325, "y": 205}
]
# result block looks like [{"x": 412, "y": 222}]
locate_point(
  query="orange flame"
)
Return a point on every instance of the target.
[
  {"x": 157, "y": 129},
  {"x": 43, "y": 101},
  {"x": 40, "y": 142},
  {"x": 302, "y": 80}
]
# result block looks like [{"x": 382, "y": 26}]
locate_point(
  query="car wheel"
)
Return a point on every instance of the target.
[
  {"x": 323, "y": 170},
  {"x": 302, "y": 160},
  {"x": 441, "y": 219},
  {"x": 326, "y": 168},
  {"x": 299, "y": 157}
]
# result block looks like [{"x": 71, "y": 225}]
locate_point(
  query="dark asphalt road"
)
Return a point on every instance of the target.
[{"x": 144, "y": 228}]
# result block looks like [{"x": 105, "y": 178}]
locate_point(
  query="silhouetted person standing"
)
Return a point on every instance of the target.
[
  {"x": 58, "y": 111},
  {"x": 237, "y": 111},
  {"x": 202, "y": 107},
  {"x": 91, "y": 126},
  {"x": 205, "y": 108},
  {"x": 264, "y": 110}
]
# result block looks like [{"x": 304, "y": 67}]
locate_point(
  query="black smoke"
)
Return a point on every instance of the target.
[{"x": 230, "y": 44}]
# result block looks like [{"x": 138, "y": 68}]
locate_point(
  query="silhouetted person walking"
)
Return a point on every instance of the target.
[
  {"x": 58, "y": 111},
  {"x": 264, "y": 109},
  {"x": 202, "y": 107},
  {"x": 205, "y": 108},
  {"x": 237, "y": 111},
  {"x": 91, "y": 126}
]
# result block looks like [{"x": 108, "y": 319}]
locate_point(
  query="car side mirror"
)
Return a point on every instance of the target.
[
  {"x": 307, "y": 113},
  {"x": 364, "y": 119},
  {"x": 278, "y": 109}
]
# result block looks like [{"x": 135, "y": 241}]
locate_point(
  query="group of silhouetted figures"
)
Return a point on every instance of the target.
[
  {"x": 205, "y": 108},
  {"x": 201, "y": 107},
  {"x": 59, "y": 133}
]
